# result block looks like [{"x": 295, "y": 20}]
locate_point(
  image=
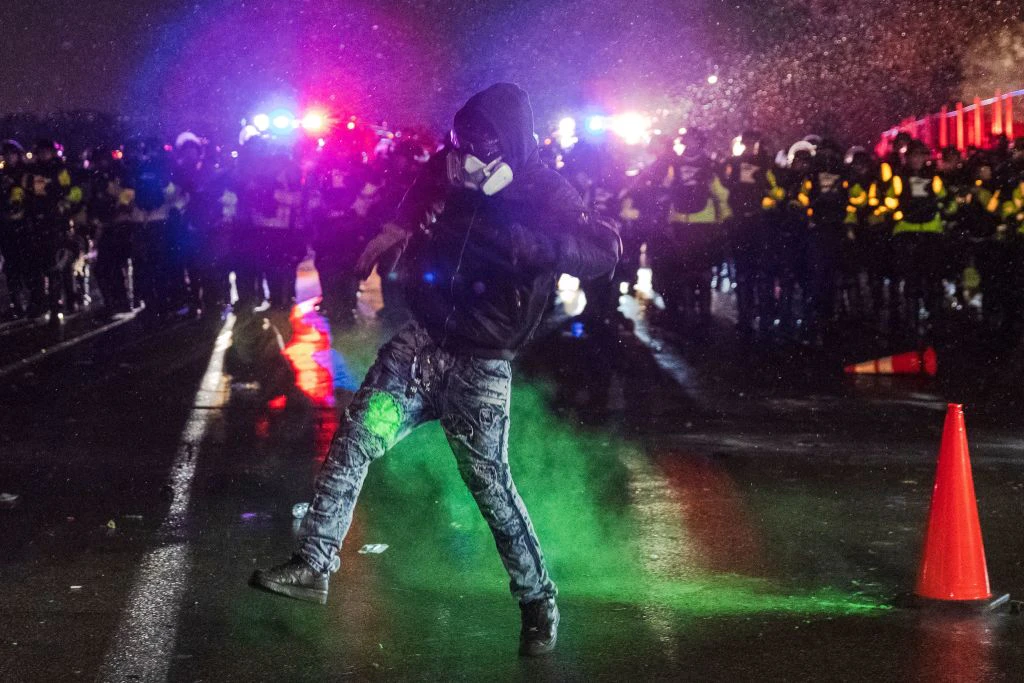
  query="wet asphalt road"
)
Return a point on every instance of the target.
[{"x": 709, "y": 512}]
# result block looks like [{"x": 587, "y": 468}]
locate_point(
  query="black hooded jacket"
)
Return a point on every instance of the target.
[{"x": 481, "y": 269}]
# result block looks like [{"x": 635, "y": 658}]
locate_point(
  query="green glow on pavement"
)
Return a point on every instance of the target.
[{"x": 578, "y": 492}]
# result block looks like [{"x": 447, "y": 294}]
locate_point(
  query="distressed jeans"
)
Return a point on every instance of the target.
[{"x": 413, "y": 382}]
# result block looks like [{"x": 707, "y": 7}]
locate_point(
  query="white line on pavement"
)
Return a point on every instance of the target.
[{"x": 143, "y": 644}]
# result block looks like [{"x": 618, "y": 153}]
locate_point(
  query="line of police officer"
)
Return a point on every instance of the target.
[
  {"x": 164, "y": 225},
  {"x": 817, "y": 238}
]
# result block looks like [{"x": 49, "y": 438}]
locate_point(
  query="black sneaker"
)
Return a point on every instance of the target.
[
  {"x": 540, "y": 627},
  {"x": 294, "y": 578}
]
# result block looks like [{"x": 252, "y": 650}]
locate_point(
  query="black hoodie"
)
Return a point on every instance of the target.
[{"x": 481, "y": 269}]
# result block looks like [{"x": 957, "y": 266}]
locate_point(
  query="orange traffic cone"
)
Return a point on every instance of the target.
[
  {"x": 953, "y": 570},
  {"x": 909, "y": 363}
]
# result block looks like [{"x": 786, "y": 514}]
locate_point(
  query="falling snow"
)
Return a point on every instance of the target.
[{"x": 847, "y": 69}]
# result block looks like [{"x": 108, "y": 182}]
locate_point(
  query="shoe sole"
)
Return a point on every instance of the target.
[{"x": 297, "y": 592}]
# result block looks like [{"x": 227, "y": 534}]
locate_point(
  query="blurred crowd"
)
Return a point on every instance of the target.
[{"x": 810, "y": 240}]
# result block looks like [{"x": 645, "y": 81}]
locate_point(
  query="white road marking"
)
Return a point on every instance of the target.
[{"x": 143, "y": 643}]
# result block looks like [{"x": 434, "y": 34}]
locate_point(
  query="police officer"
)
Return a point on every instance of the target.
[
  {"x": 826, "y": 195},
  {"x": 270, "y": 205},
  {"x": 52, "y": 197},
  {"x": 1011, "y": 221},
  {"x": 149, "y": 201},
  {"x": 590, "y": 169},
  {"x": 987, "y": 241},
  {"x": 785, "y": 239},
  {"x": 753, "y": 187},
  {"x": 109, "y": 210},
  {"x": 917, "y": 198},
  {"x": 692, "y": 240},
  {"x": 337, "y": 239},
  {"x": 193, "y": 219},
  {"x": 14, "y": 242}
]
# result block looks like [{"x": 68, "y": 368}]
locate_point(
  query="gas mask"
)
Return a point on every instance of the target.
[
  {"x": 475, "y": 162},
  {"x": 466, "y": 170}
]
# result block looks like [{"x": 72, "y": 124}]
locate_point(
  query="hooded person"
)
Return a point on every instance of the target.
[{"x": 484, "y": 231}]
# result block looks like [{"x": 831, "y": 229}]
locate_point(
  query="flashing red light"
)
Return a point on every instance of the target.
[{"x": 117, "y": 154}]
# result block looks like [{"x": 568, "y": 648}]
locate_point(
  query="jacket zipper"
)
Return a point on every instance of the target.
[{"x": 455, "y": 273}]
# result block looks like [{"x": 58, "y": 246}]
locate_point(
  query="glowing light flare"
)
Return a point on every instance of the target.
[
  {"x": 644, "y": 283},
  {"x": 712, "y": 79},
  {"x": 568, "y": 283},
  {"x": 632, "y": 127},
  {"x": 566, "y": 133},
  {"x": 248, "y": 133},
  {"x": 314, "y": 122},
  {"x": 597, "y": 124},
  {"x": 261, "y": 122},
  {"x": 571, "y": 295},
  {"x": 283, "y": 120},
  {"x": 738, "y": 148}
]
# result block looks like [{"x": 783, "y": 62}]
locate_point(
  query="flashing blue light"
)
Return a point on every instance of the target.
[
  {"x": 429, "y": 277},
  {"x": 577, "y": 330},
  {"x": 597, "y": 124},
  {"x": 282, "y": 119}
]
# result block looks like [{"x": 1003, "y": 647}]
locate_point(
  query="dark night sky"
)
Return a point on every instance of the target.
[
  {"x": 853, "y": 67},
  {"x": 390, "y": 58},
  {"x": 73, "y": 53}
]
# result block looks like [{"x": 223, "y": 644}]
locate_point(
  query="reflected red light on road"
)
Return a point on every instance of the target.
[
  {"x": 309, "y": 353},
  {"x": 714, "y": 514},
  {"x": 954, "y": 647}
]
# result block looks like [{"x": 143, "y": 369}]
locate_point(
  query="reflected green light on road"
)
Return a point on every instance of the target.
[{"x": 600, "y": 542}]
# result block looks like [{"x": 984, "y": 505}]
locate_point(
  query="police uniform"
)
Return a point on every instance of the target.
[
  {"x": 14, "y": 238},
  {"x": 753, "y": 189},
  {"x": 691, "y": 241},
  {"x": 51, "y": 197},
  {"x": 916, "y": 200},
  {"x": 826, "y": 195}
]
